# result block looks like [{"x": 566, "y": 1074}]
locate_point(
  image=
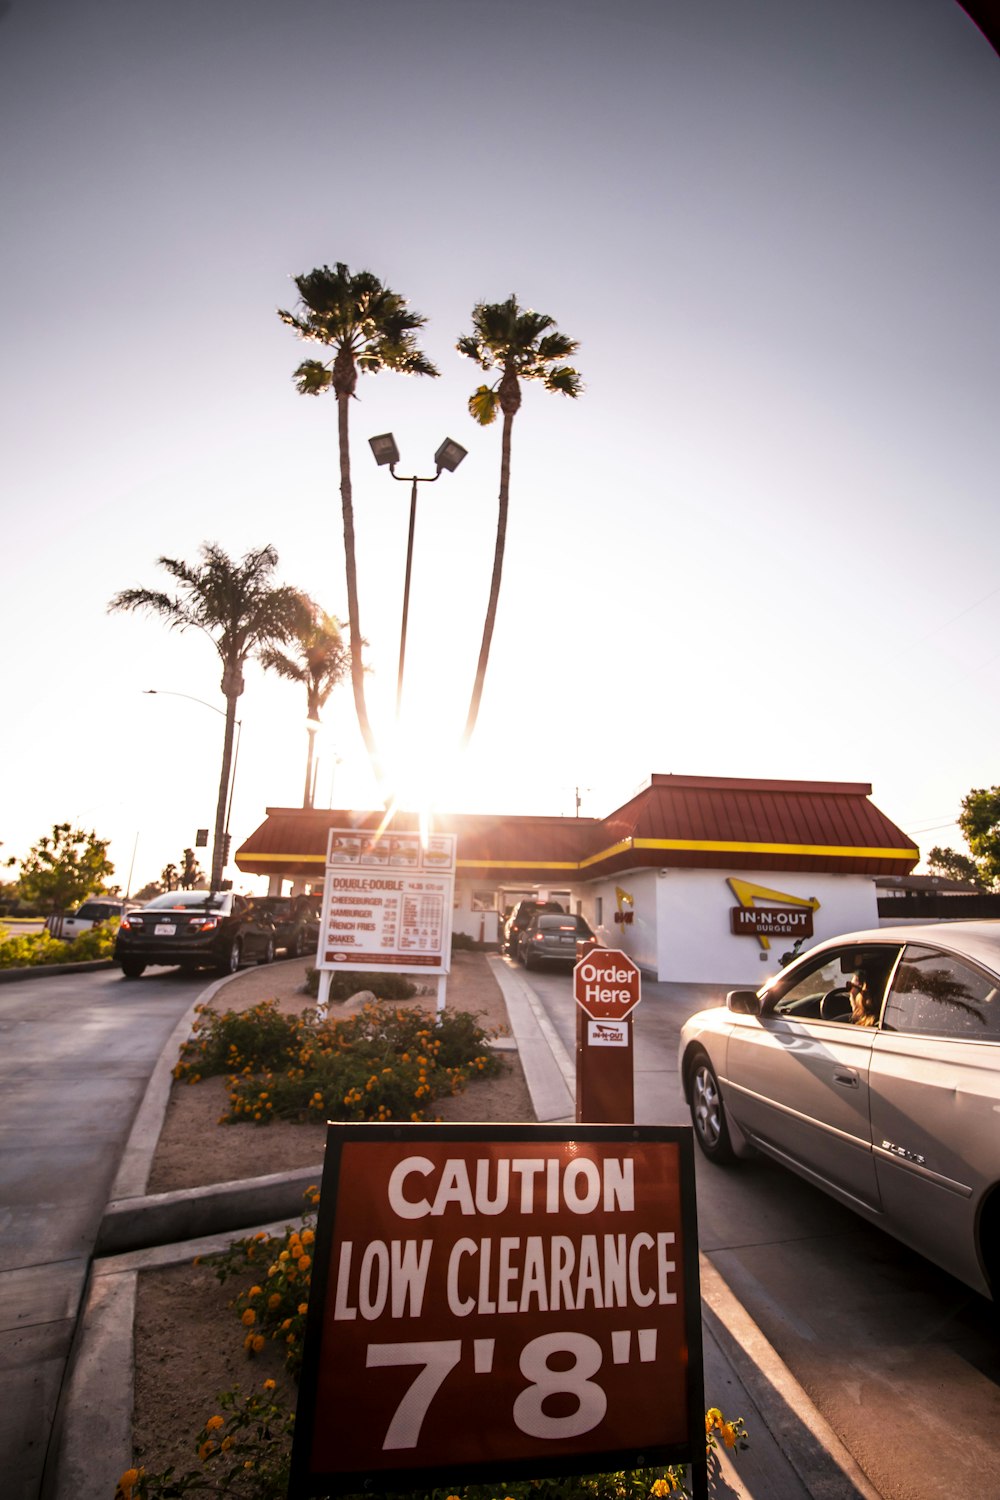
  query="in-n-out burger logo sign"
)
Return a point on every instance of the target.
[{"x": 790, "y": 916}]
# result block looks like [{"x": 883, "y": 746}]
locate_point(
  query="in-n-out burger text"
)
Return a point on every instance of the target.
[{"x": 510, "y": 1273}]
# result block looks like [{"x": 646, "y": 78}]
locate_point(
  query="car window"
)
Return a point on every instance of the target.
[
  {"x": 96, "y": 911},
  {"x": 182, "y": 900},
  {"x": 818, "y": 990},
  {"x": 933, "y": 993}
]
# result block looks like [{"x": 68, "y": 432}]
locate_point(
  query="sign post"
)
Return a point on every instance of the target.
[
  {"x": 607, "y": 986},
  {"x": 500, "y": 1302},
  {"x": 387, "y": 904}
]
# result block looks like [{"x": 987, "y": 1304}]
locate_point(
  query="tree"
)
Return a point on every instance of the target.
[
  {"x": 953, "y": 865},
  {"x": 64, "y": 868},
  {"x": 168, "y": 875},
  {"x": 369, "y": 328},
  {"x": 522, "y": 345},
  {"x": 320, "y": 663},
  {"x": 979, "y": 821},
  {"x": 153, "y": 888},
  {"x": 191, "y": 872},
  {"x": 241, "y": 610}
]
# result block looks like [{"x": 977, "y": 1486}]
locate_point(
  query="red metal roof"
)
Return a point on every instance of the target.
[{"x": 693, "y": 822}]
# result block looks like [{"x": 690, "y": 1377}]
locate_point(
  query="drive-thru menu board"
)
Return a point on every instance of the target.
[
  {"x": 387, "y": 901},
  {"x": 500, "y": 1301}
]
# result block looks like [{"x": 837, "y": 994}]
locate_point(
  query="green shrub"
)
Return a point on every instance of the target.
[
  {"x": 344, "y": 985},
  {"x": 383, "y": 1063},
  {"x": 28, "y": 949}
]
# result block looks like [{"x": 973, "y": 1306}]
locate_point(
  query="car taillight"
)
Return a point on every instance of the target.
[
  {"x": 131, "y": 922},
  {"x": 205, "y": 925},
  {"x": 539, "y": 937}
]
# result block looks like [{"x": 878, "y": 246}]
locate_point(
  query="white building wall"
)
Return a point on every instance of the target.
[
  {"x": 694, "y": 941},
  {"x": 637, "y": 938}
]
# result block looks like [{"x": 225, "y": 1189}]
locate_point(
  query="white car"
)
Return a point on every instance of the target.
[
  {"x": 870, "y": 1066},
  {"x": 89, "y": 914}
]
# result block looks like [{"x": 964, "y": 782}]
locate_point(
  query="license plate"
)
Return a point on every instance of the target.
[{"x": 164, "y": 929}]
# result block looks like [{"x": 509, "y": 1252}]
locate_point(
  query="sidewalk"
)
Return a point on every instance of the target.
[{"x": 794, "y": 1455}]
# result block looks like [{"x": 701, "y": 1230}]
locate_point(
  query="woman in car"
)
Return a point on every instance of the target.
[{"x": 864, "y": 1006}]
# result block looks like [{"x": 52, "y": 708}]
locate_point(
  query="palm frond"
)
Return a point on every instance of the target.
[
  {"x": 563, "y": 378},
  {"x": 484, "y": 404},
  {"x": 312, "y": 378}
]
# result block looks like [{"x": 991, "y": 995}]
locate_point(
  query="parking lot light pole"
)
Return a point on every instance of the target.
[
  {"x": 220, "y": 857},
  {"x": 448, "y": 456}
]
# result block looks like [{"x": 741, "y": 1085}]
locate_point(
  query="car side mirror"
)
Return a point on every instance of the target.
[{"x": 743, "y": 1002}]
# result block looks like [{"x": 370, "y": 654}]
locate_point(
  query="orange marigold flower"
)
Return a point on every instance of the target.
[
  {"x": 305, "y": 1261},
  {"x": 274, "y": 1300},
  {"x": 206, "y": 1448},
  {"x": 307, "y": 1236},
  {"x": 255, "y": 1291},
  {"x": 226, "y": 1443},
  {"x": 303, "y": 1308},
  {"x": 268, "y": 1385},
  {"x": 258, "y": 1343},
  {"x": 249, "y": 1318},
  {"x": 214, "y": 1423}
]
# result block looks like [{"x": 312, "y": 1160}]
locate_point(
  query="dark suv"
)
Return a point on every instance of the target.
[
  {"x": 521, "y": 914},
  {"x": 295, "y": 920}
]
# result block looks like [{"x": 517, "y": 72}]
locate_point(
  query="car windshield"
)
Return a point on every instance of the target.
[{"x": 188, "y": 901}]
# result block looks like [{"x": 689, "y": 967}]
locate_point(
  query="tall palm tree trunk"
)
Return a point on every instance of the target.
[
  {"x": 357, "y": 664},
  {"x": 491, "y": 608},
  {"x": 307, "y": 792},
  {"x": 218, "y": 848}
]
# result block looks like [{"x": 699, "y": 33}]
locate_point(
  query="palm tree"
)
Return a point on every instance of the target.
[
  {"x": 321, "y": 662},
  {"x": 369, "y": 328},
  {"x": 522, "y": 345},
  {"x": 242, "y": 612}
]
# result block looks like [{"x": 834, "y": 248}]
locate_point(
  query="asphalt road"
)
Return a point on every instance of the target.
[
  {"x": 76, "y": 1052},
  {"x": 902, "y": 1360}
]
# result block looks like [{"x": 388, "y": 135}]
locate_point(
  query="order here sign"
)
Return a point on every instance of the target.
[{"x": 490, "y": 1301}]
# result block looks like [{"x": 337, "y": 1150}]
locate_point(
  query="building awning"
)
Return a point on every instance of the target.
[{"x": 683, "y": 822}]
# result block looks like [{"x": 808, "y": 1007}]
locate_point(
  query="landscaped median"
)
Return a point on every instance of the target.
[
  {"x": 32, "y": 954},
  {"x": 217, "y": 1343}
]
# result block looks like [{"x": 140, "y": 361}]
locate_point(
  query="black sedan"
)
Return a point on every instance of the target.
[
  {"x": 295, "y": 920},
  {"x": 195, "y": 929}
]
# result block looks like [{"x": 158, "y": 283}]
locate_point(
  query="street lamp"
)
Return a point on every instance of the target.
[
  {"x": 220, "y": 858},
  {"x": 448, "y": 456}
]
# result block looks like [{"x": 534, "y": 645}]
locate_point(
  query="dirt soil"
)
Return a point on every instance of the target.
[{"x": 188, "y": 1343}]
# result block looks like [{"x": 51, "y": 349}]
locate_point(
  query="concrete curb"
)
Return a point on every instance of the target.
[
  {"x": 805, "y": 1438},
  {"x": 222, "y": 1207},
  {"x": 46, "y": 971}
]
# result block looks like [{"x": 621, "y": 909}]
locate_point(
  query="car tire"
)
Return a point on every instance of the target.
[
  {"x": 267, "y": 957},
  {"x": 234, "y": 957},
  {"x": 708, "y": 1113},
  {"x": 132, "y": 968},
  {"x": 299, "y": 945},
  {"x": 526, "y": 959}
]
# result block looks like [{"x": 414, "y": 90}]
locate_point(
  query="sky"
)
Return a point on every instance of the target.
[{"x": 763, "y": 541}]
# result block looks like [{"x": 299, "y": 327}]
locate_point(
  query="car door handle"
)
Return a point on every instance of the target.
[{"x": 847, "y": 1076}]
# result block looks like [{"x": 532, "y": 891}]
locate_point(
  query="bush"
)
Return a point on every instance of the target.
[
  {"x": 344, "y": 985},
  {"x": 384, "y": 1063},
  {"x": 29, "y": 949}
]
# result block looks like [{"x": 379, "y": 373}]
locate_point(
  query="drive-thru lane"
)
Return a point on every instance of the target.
[
  {"x": 903, "y": 1361},
  {"x": 76, "y": 1052}
]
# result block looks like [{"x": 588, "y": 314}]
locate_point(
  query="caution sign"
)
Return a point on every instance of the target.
[{"x": 490, "y": 1301}]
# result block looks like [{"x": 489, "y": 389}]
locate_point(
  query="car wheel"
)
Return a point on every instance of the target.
[
  {"x": 299, "y": 946},
  {"x": 233, "y": 958},
  {"x": 708, "y": 1115},
  {"x": 132, "y": 969},
  {"x": 526, "y": 958},
  {"x": 267, "y": 957}
]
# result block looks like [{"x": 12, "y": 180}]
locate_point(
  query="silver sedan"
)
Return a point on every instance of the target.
[{"x": 870, "y": 1066}]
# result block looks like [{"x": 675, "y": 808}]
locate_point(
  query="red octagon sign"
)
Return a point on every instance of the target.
[{"x": 607, "y": 984}]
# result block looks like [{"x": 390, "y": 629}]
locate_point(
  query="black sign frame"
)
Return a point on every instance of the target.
[{"x": 305, "y": 1482}]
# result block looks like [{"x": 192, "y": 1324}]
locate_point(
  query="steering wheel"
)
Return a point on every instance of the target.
[{"x": 836, "y": 1005}]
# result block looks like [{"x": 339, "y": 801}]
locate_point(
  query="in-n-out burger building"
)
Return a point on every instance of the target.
[{"x": 702, "y": 879}]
